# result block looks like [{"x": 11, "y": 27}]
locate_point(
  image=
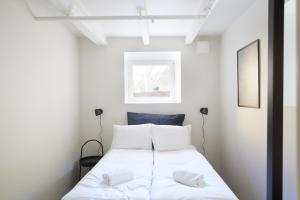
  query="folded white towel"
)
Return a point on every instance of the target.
[
  {"x": 188, "y": 178},
  {"x": 117, "y": 177}
]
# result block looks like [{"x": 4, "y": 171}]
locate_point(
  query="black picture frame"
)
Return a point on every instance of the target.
[{"x": 249, "y": 52}]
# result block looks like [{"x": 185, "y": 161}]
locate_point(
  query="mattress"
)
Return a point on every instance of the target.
[
  {"x": 165, "y": 188},
  {"x": 140, "y": 162}
]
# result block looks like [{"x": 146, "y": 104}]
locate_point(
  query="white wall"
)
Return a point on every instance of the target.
[
  {"x": 290, "y": 66},
  {"x": 298, "y": 91},
  {"x": 244, "y": 130},
  {"x": 102, "y": 86},
  {"x": 290, "y": 104},
  {"x": 39, "y": 108}
]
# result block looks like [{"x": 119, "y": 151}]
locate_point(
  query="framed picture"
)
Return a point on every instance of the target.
[{"x": 248, "y": 75}]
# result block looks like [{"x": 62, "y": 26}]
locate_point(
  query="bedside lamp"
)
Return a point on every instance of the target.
[
  {"x": 204, "y": 111},
  {"x": 99, "y": 112}
]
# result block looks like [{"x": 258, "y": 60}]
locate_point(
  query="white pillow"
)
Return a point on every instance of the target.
[
  {"x": 132, "y": 137},
  {"x": 167, "y": 138}
]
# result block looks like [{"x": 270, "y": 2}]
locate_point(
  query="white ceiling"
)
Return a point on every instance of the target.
[
  {"x": 222, "y": 16},
  {"x": 225, "y": 13}
]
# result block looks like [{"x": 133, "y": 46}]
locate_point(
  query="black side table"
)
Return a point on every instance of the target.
[{"x": 89, "y": 161}]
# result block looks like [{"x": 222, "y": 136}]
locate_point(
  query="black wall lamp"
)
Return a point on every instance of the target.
[
  {"x": 98, "y": 111},
  {"x": 204, "y": 111}
]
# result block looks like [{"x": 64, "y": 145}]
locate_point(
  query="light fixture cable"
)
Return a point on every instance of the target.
[
  {"x": 203, "y": 135},
  {"x": 100, "y": 132}
]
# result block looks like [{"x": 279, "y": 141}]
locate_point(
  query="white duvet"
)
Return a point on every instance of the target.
[
  {"x": 165, "y": 188},
  {"x": 152, "y": 177},
  {"x": 140, "y": 162}
]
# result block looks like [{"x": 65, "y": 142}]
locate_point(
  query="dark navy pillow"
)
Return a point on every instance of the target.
[{"x": 143, "y": 118}]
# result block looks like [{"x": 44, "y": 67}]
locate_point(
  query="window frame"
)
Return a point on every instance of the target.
[{"x": 172, "y": 59}]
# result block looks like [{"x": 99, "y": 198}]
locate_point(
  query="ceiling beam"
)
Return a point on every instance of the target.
[
  {"x": 119, "y": 17},
  {"x": 71, "y": 8},
  {"x": 207, "y": 7},
  {"x": 144, "y": 26},
  {"x": 143, "y": 23},
  {"x": 91, "y": 30},
  {"x": 145, "y": 31}
]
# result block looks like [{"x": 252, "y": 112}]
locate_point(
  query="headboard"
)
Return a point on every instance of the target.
[{"x": 158, "y": 119}]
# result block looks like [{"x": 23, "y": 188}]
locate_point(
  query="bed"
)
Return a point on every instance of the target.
[
  {"x": 165, "y": 188},
  {"x": 152, "y": 167},
  {"x": 90, "y": 187}
]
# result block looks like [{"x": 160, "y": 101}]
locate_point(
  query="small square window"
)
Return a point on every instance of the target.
[{"x": 152, "y": 77}]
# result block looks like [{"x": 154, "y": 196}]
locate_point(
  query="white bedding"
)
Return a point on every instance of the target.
[
  {"x": 165, "y": 188},
  {"x": 153, "y": 182},
  {"x": 140, "y": 162}
]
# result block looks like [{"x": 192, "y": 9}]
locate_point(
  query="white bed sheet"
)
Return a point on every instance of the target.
[
  {"x": 140, "y": 162},
  {"x": 165, "y": 188}
]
